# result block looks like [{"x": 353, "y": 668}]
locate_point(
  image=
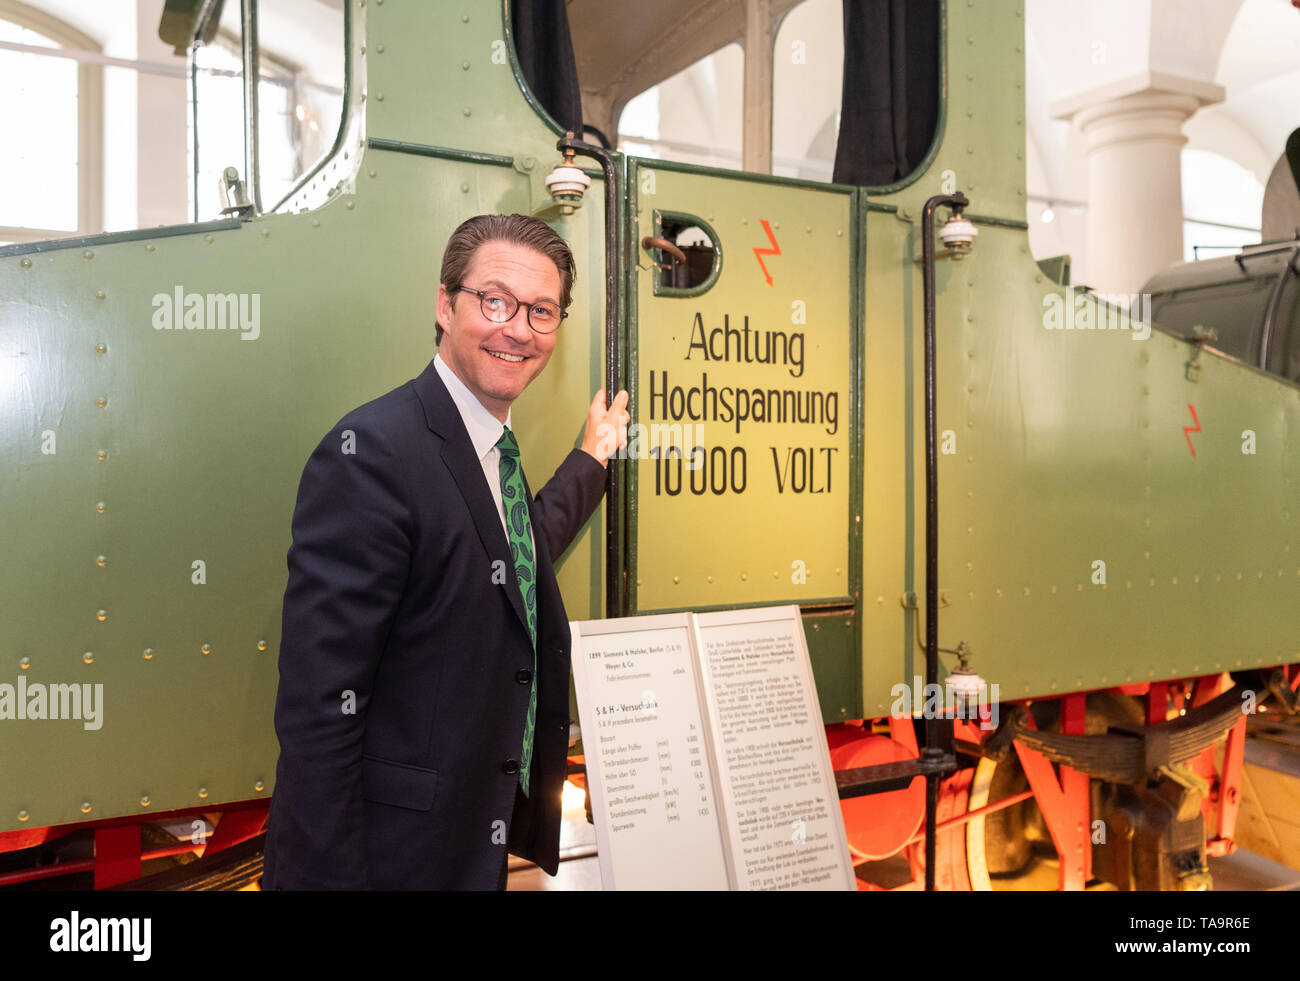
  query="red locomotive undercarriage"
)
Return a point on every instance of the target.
[{"x": 1152, "y": 834}]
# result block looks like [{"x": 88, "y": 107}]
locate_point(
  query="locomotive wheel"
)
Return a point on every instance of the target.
[
  {"x": 1009, "y": 849},
  {"x": 950, "y": 863},
  {"x": 1004, "y": 849},
  {"x": 1000, "y": 847}
]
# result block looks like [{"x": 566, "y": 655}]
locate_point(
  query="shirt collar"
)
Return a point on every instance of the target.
[{"x": 483, "y": 427}]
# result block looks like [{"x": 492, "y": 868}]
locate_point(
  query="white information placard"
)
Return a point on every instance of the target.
[
  {"x": 646, "y": 750},
  {"x": 784, "y": 825},
  {"x": 706, "y": 759}
]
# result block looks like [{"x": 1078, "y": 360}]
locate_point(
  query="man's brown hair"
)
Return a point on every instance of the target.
[{"x": 516, "y": 229}]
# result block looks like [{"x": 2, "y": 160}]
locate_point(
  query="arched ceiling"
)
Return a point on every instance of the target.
[{"x": 1249, "y": 47}]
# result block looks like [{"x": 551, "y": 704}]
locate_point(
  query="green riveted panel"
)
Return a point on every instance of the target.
[
  {"x": 446, "y": 76},
  {"x": 980, "y": 141},
  {"x": 1067, "y": 447},
  {"x": 204, "y": 435}
]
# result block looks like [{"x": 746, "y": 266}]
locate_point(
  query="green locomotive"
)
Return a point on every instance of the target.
[{"x": 1111, "y": 542}]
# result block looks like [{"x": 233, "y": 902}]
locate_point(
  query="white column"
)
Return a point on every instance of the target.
[
  {"x": 1134, "y": 135},
  {"x": 756, "y": 135}
]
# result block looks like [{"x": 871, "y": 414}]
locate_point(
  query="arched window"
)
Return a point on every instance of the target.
[{"x": 52, "y": 129}]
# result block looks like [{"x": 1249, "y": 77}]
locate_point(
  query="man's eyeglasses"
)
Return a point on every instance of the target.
[{"x": 500, "y": 307}]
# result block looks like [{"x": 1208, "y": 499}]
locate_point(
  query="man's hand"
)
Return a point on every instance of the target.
[{"x": 606, "y": 429}]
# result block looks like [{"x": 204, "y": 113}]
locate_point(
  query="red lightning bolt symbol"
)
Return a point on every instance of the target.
[
  {"x": 760, "y": 252},
  {"x": 1188, "y": 430}
]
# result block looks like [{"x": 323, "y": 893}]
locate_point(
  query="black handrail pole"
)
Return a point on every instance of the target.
[
  {"x": 613, "y": 362},
  {"x": 932, "y": 750}
]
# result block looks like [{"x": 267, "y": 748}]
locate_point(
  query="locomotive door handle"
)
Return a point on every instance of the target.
[{"x": 650, "y": 242}]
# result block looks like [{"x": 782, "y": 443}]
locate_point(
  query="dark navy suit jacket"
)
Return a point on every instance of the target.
[{"x": 405, "y": 660}]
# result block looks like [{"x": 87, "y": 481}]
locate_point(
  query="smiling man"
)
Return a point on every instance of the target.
[{"x": 423, "y": 710}]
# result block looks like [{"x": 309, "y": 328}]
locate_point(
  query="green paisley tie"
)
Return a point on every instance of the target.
[{"x": 518, "y": 529}]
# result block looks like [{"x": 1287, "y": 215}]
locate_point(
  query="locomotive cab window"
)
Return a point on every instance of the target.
[
  {"x": 692, "y": 117},
  {"x": 301, "y": 64},
  {"x": 217, "y": 118},
  {"x": 807, "y": 75},
  {"x": 300, "y": 54},
  {"x": 765, "y": 94}
]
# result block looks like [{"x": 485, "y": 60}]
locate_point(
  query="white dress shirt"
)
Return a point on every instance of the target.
[{"x": 484, "y": 430}]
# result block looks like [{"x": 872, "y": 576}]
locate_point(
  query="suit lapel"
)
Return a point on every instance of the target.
[{"x": 443, "y": 418}]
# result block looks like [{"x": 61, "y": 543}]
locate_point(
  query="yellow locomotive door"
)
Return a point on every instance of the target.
[{"x": 742, "y": 360}]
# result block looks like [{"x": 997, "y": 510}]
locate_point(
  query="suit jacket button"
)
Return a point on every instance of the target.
[
  {"x": 523, "y": 676},
  {"x": 510, "y": 766}
]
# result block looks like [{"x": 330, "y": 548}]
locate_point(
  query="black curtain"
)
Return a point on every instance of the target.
[
  {"x": 890, "y": 104},
  {"x": 545, "y": 52},
  {"x": 1293, "y": 155}
]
